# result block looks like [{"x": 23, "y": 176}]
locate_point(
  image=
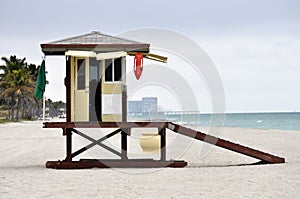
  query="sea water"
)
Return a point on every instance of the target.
[{"x": 283, "y": 121}]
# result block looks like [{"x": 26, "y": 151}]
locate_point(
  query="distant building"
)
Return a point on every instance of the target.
[
  {"x": 146, "y": 105},
  {"x": 135, "y": 106},
  {"x": 149, "y": 104}
]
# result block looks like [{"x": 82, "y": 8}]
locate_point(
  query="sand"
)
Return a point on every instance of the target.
[{"x": 25, "y": 147}]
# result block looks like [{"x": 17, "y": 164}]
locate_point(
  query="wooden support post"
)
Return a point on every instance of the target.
[
  {"x": 162, "y": 133},
  {"x": 69, "y": 145},
  {"x": 124, "y": 103},
  {"x": 124, "y": 145},
  {"x": 125, "y": 132},
  {"x": 68, "y": 88},
  {"x": 68, "y": 132}
]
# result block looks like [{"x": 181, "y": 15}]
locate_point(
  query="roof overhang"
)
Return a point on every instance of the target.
[
  {"x": 60, "y": 49},
  {"x": 102, "y": 46}
]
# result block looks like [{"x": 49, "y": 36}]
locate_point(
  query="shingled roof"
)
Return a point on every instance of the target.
[{"x": 94, "y": 41}]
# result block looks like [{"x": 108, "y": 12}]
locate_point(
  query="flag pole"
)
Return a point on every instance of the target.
[{"x": 44, "y": 107}]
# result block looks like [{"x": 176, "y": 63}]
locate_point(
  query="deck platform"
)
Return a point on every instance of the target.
[{"x": 124, "y": 128}]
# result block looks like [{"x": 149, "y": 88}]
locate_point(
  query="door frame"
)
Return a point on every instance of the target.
[{"x": 81, "y": 108}]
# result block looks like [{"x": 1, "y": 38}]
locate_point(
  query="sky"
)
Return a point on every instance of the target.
[{"x": 254, "y": 44}]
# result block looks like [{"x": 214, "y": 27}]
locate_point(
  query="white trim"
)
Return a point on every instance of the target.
[
  {"x": 111, "y": 55},
  {"x": 77, "y": 53},
  {"x": 99, "y": 56}
]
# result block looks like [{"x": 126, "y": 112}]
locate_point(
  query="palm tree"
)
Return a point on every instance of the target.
[
  {"x": 33, "y": 69},
  {"x": 29, "y": 102},
  {"x": 16, "y": 82},
  {"x": 11, "y": 64},
  {"x": 19, "y": 86}
]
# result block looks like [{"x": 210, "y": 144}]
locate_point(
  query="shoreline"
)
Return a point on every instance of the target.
[{"x": 186, "y": 125}]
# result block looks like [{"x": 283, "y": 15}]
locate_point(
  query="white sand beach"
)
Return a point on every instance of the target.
[{"x": 25, "y": 147}]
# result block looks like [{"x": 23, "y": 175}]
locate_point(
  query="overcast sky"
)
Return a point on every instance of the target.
[{"x": 255, "y": 44}]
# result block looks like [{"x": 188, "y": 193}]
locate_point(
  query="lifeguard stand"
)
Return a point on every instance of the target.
[
  {"x": 96, "y": 94},
  {"x": 96, "y": 98}
]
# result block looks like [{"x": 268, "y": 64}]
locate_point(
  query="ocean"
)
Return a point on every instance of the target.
[{"x": 283, "y": 121}]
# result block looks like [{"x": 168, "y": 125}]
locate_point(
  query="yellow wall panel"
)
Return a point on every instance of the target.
[
  {"x": 111, "y": 88},
  {"x": 111, "y": 118}
]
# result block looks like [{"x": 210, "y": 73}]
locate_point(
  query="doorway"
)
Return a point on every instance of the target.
[
  {"x": 87, "y": 89},
  {"x": 81, "y": 90},
  {"x": 95, "y": 90}
]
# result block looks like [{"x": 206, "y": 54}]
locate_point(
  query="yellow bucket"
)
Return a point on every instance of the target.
[{"x": 150, "y": 142}]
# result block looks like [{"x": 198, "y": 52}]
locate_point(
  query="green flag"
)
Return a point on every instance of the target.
[{"x": 40, "y": 82}]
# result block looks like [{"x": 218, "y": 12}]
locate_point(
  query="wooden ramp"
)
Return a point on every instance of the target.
[{"x": 264, "y": 157}]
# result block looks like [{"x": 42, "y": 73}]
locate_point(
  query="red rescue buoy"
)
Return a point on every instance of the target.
[{"x": 138, "y": 65}]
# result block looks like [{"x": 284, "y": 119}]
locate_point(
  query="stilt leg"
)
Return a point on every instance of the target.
[
  {"x": 162, "y": 134},
  {"x": 124, "y": 145},
  {"x": 69, "y": 145}
]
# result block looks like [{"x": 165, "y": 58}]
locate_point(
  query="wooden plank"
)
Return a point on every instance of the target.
[
  {"x": 124, "y": 125},
  {"x": 85, "y": 164},
  {"x": 150, "y": 56},
  {"x": 267, "y": 158}
]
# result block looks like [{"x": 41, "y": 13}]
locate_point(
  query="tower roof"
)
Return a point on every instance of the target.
[{"x": 94, "y": 41}]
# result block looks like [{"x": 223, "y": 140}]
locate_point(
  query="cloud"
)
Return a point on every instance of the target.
[
  {"x": 254, "y": 44},
  {"x": 258, "y": 72}
]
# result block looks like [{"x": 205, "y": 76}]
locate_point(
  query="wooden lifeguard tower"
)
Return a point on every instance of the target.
[{"x": 96, "y": 97}]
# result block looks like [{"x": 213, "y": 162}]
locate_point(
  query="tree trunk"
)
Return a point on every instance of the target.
[
  {"x": 18, "y": 107},
  {"x": 12, "y": 107},
  {"x": 23, "y": 106},
  {"x": 29, "y": 110}
]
